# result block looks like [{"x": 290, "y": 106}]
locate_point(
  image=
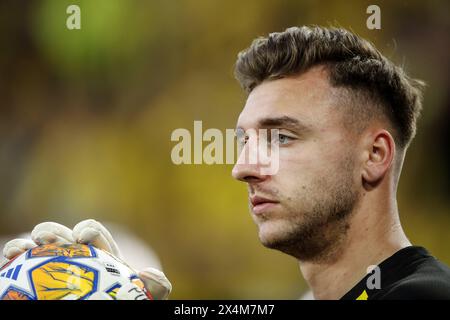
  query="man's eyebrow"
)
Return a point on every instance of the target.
[{"x": 282, "y": 122}]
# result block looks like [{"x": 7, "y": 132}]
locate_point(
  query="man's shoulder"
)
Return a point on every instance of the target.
[{"x": 429, "y": 280}]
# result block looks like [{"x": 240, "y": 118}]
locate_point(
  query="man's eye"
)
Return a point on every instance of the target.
[{"x": 282, "y": 139}]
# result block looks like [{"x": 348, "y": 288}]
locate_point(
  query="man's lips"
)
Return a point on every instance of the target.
[{"x": 260, "y": 204}]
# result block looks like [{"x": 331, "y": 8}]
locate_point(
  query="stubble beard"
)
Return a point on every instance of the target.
[{"x": 317, "y": 220}]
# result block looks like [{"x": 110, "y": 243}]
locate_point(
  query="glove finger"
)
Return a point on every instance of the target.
[
  {"x": 51, "y": 232},
  {"x": 130, "y": 291},
  {"x": 93, "y": 232},
  {"x": 156, "y": 283},
  {"x": 17, "y": 246}
]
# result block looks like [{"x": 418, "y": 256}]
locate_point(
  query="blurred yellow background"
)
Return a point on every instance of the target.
[{"x": 86, "y": 118}]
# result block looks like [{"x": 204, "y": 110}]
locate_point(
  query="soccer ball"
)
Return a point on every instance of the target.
[{"x": 64, "y": 272}]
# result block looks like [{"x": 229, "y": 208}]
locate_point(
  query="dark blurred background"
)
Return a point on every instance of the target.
[{"x": 86, "y": 117}]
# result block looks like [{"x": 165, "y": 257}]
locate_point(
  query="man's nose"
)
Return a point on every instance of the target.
[{"x": 247, "y": 167}]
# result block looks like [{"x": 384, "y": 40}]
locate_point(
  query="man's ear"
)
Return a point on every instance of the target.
[{"x": 379, "y": 156}]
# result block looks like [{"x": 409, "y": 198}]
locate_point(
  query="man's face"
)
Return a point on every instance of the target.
[{"x": 304, "y": 208}]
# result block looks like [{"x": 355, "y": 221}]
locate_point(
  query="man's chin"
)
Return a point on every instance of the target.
[
  {"x": 272, "y": 234},
  {"x": 279, "y": 240}
]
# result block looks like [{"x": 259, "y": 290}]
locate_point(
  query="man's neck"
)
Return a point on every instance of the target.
[{"x": 375, "y": 234}]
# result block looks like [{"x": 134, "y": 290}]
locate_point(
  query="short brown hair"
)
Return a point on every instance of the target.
[{"x": 353, "y": 63}]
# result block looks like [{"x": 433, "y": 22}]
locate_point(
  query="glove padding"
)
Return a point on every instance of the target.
[{"x": 88, "y": 232}]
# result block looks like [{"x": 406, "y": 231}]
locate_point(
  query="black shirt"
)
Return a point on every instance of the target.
[{"x": 410, "y": 273}]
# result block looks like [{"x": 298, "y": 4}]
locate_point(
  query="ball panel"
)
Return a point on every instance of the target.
[
  {"x": 61, "y": 278},
  {"x": 65, "y": 250},
  {"x": 13, "y": 293}
]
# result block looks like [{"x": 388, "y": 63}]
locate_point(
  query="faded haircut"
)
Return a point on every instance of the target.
[{"x": 369, "y": 80}]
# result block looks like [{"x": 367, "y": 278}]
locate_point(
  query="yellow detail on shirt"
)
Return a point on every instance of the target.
[{"x": 363, "y": 296}]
